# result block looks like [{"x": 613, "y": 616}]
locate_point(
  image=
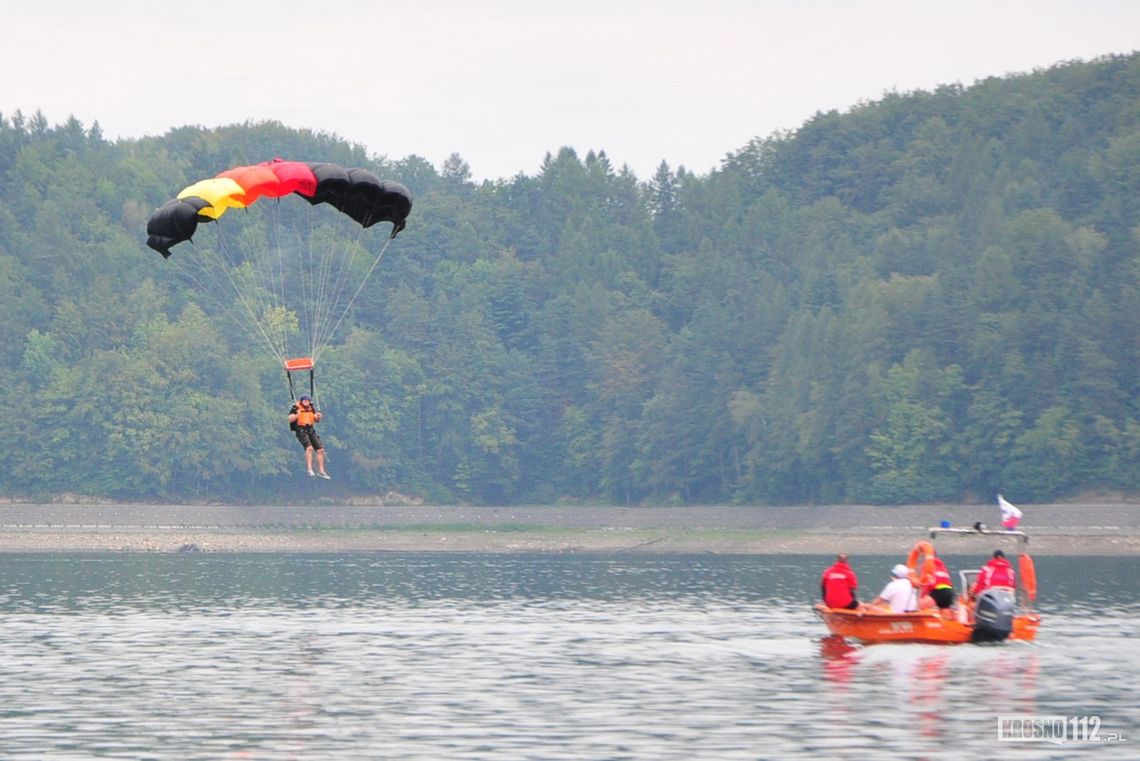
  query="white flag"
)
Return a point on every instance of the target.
[{"x": 1008, "y": 510}]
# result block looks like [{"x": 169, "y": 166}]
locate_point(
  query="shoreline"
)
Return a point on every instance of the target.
[
  {"x": 526, "y": 540},
  {"x": 1062, "y": 529}
]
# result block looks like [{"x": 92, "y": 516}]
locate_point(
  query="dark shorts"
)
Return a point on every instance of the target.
[
  {"x": 309, "y": 438},
  {"x": 853, "y": 605},
  {"x": 943, "y": 598}
]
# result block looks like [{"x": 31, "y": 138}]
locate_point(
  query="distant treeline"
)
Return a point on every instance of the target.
[{"x": 931, "y": 297}]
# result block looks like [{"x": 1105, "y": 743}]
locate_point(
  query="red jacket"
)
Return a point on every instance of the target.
[
  {"x": 838, "y": 586},
  {"x": 996, "y": 573},
  {"x": 941, "y": 578}
]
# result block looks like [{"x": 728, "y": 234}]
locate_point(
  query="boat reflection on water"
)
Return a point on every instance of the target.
[
  {"x": 917, "y": 686},
  {"x": 839, "y": 658},
  {"x": 834, "y": 648},
  {"x": 927, "y": 678}
]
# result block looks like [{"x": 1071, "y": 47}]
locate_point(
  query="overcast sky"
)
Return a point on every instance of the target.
[{"x": 502, "y": 83}]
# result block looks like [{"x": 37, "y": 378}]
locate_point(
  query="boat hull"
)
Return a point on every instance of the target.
[{"x": 870, "y": 625}]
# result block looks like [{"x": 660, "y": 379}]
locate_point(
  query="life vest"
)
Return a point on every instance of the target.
[
  {"x": 305, "y": 417},
  {"x": 940, "y": 579}
]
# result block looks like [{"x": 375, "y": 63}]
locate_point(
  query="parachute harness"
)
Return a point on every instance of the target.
[{"x": 312, "y": 383}]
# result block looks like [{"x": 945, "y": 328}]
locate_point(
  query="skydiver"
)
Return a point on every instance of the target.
[{"x": 303, "y": 418}]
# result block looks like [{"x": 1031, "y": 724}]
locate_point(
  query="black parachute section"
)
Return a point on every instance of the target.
[
  {"x": 362, "y": 195},
  {"x": 173, "y": 222}
]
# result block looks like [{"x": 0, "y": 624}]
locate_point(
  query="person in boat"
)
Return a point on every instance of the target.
[
  {"x": 940, "y": 588},
  {"x": 838, "y": 585},
  {"x": 996, "y": 573},
  {"x": 303, "y": 418},
  {"x": 899, "y": 594}
]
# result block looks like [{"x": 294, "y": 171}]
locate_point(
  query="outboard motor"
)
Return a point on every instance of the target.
[{"x": 993, "y": 615}]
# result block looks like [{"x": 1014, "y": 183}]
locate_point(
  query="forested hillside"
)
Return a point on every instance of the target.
[{"x": 935, "y": 296}]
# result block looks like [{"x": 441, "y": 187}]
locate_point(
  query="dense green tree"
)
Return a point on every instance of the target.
[
  {"x": 911, "y": 452},
  {"x": 935, "y": 295}
]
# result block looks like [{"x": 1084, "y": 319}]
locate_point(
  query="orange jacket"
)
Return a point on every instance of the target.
[{"x": 305, "y": 417}]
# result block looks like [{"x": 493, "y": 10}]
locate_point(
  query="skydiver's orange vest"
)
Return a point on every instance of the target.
[{"x": 305, "y": 417}]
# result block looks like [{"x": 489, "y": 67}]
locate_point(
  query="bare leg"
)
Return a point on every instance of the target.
[
  {"x": 320, "y": 460},
  {"x": 309, "y": 459}
]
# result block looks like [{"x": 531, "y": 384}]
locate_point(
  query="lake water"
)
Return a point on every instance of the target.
[{"x": 447, "y": 656}]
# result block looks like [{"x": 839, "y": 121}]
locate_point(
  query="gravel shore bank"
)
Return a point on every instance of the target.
[
  {"x": 522, "y": 540},
  {"x": 1068, "y": 529}
]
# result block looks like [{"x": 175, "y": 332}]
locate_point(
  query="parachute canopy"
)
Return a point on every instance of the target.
[
  {"x": 358, "y": 193},
  {"x": 286, "y": 272}
]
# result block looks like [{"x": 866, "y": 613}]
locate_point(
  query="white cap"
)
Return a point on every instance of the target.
[{"x": 900, "y": 571}]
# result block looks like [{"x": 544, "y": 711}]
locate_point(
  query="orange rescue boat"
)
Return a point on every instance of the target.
[
  {"x": 998, "y": 614},
  {"x": 872, "y": 625}
]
